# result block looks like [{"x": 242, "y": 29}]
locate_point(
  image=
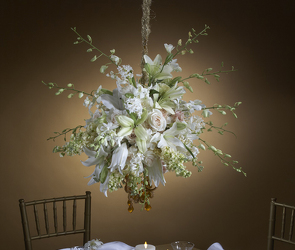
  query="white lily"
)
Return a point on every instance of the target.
[
  {"x": 168, "y": 139},
  {"x": 113, "y": 101},
  {"x": 100, "y": 162},
  {"x": 95, "y": 179},
  {"x": 119, "y": 158},
  {"x": 155, "y": 68},
  {"x": 128, "y": 125},
  {"x": 155, "y": 168},
  {"x": 165, "y": 98},
  {"x": 93, "y": 158}
]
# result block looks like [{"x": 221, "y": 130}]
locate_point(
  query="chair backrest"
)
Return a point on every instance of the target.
[
  {"x": 287, "y": 212},
  {"x": 25, "y": 222}
]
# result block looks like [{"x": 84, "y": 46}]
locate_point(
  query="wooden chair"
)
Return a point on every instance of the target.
[
  {"x": 25, "y": 222},
  {"x": 286, "y": 209}
]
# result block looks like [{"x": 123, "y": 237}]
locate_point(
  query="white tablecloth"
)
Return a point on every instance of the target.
[{"x": 115, "y": 245}]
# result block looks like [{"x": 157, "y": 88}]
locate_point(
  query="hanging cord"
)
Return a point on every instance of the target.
[{"x": 145, "y": 31}]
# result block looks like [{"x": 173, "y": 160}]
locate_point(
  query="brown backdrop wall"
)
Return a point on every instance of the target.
[{"x": 218, "y": 204}]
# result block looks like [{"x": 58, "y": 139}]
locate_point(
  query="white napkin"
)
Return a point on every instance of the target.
[
  {"x": 73, "y": 248},
  {"x": 115, "y": 245},
  {"x": 215, "y": 246}
]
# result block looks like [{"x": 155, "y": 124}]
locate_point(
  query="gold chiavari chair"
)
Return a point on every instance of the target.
[
  {"x": 53, "y": 201},
  {"x": 287, "y": 212}
]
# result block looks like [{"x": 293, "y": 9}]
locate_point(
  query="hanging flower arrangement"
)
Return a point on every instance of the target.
[{"x": 137, "y": 132}]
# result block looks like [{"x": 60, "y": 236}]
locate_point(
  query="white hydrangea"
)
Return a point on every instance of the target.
[
  {"x": 136, "y": 166},
  {"x": 134, "y": 106}
]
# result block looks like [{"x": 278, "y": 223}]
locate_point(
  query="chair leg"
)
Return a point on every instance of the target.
[
  {"x": 25, "y": 224},
  {"x": 87, "y": 217},
  {"x": 271, "y": 227}
]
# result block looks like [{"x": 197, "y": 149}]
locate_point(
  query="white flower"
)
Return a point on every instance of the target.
[
  {"x": 175, "y": 66},
  {"x": 134, "y": 106},
  {"x": 156, "y": 120},
  {"x": 119, "y": 158},
  {"x": 128, "y": 125},
  {"x": 115, "y": 59},
  {"x": 195, "y": 124},
  {"x": 92, "y": 245},
  {"x": 155, "y": 168},
  {"x": 206, "y": 113},
  {"x": 155, "y": 68},
  {"x": 86, "y": 101},
  {"x": 136, "y": 165},
  {"x": 125, "y": 71},
  {"x": 169, "y": 47},
  {"x": 194, "y": 105},
  {"x": 93, "y": 158},
  {"x": 113, "y": 101},
  {"x": 168, "y": 138}
]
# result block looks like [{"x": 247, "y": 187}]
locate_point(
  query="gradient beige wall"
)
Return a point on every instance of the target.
[{"x": 218, "y": 204}]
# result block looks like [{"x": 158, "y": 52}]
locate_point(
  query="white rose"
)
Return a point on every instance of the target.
[{"x": 156, "y": 120}]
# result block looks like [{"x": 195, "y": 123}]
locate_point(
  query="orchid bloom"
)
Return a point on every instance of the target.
[{"x": 169, "y": 47}]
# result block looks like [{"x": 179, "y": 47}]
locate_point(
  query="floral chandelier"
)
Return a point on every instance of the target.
[{"x": 143, "y": 128}]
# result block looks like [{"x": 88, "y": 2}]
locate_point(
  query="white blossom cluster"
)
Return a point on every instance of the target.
[{"x": 140, "y": 129}]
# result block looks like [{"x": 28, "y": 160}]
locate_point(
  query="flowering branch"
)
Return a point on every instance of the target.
[
  {"x": 223, "y": 157},
  {"x": 64, "y": 132},
  {"x": 191, "y": 39},
  {"x": 69, "y": 87},
  {"x": 114, "y": 60},
  {"x": 227, "y": 107},
  {"x": 220, "y": 130}
]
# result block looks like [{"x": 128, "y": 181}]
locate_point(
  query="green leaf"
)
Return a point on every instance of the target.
[
  {"x": 153, "y": 91},
  {"x": 133, "y": 116},
  {"x": 168, "y": 58},
  {"x": 189, "y": 151},
  {"x": 143, "y": 117},
  {"x": 129, "y": 95},
  {"x": 106, "y": 91},
  {"x": 103, "y": 174},
  {"x": 133, "y": 82},
  {"x": 89, "y": 50}
]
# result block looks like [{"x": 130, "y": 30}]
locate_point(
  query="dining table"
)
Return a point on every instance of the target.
[
  {"x": 158, "y": 247},
  {"x": 168, "y": 247}
]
